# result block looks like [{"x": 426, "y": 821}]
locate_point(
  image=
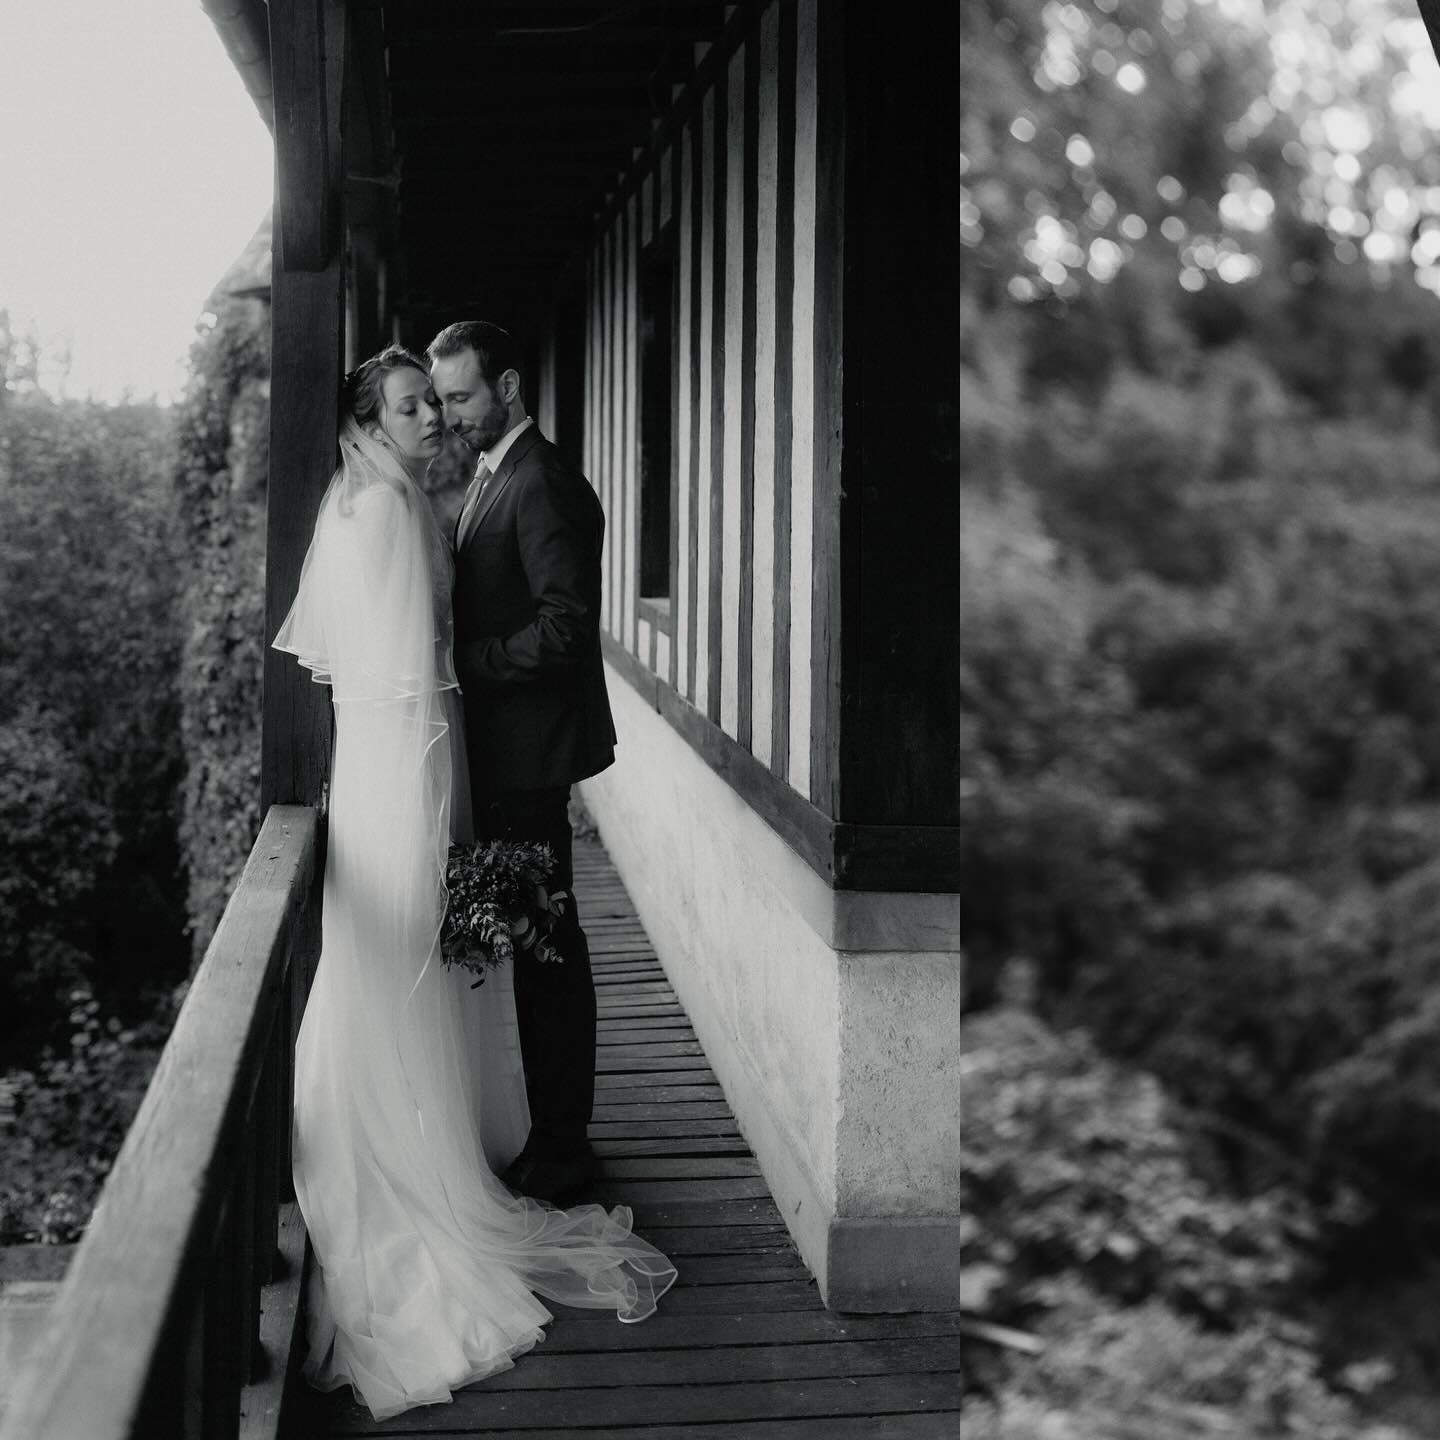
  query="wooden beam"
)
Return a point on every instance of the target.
[
  {"x": 705, "y": 75},
  {"x": 616, "y": 124},
  {"x": 305, "y": 195},
  {"x": 515, "y": 169},
  {"x": 509, "y": 247},
  {"x": 531, "y": 83},
  {"x": 364, "y": 323},
  {"x": 897, "y": 626},
  {"x": 244, "y": 30},
  {"x": 306, "y": 325},
  {"x": 304, "y": 388},
  {"x": 371, "y": 169},
  {"x": 416, "y": 46},
  {"x": 920, "y": 859},
  {"x": 544, "y": 193},
  {"x": 830, "y": 437},
  {"x": 516, "y": 17},
  {"x": 574, "y": 147}
]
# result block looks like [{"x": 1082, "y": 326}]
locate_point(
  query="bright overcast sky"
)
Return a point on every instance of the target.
[{"x": 133, "y": 169}]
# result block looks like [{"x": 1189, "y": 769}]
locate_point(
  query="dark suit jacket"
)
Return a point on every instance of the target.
[{"x": 527, "y": 626}]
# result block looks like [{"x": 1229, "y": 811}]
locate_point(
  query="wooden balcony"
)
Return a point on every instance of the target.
[{"x": 179, "y": 1314}]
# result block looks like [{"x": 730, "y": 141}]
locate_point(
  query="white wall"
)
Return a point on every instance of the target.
[{"x": 831, "y": 1018}]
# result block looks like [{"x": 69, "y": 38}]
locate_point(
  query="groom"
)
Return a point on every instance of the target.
[{"x": 537, "y": 717}]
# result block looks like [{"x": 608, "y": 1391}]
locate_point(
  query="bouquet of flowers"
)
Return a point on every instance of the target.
[{"x": 500, "y": 901}]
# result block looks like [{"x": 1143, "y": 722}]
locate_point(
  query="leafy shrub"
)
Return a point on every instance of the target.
[
  {"x": 1241, "y": 993},
  {"x": 1122, "y": 491},
  {"x": 55, "y": 842},
  {"x": 220, "y": 478},
  {"x": 1162, "y": 1300},
  {"x": 63, "y": 1122},
  {"x": 89, "y": 744},
  {"x": 1111, "y": 1372},
  {"x": 1380, "y": 1101},
  {"x": 1075, "y": 1165},
  {"x": 1047, "y": 853}
]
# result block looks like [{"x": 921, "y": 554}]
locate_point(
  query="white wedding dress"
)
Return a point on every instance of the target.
[{"x": 409, "y": 1094}]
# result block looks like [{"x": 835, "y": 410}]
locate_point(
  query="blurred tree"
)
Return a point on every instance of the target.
[
  {"x": 1267, "y": 170},
  {"x": 87, "y": 662}
]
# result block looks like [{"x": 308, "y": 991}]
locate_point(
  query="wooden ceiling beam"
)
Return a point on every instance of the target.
[
  {"x": 510, "y": 166},
  {"x": 456, "y": 80},
  {"x": 450, "y": 243},
  {"x": 461, "y": 261},
  {"x": 534, "y": 15},
  {"x": 498, "y": 187},
  {"x": 370, "y": 163},
  {"x": 440, "y": 83},
  {"x": 623, "y": 127},
  {"x": 521, "y": 107},
  {"x": 581, "y": 149},
  {"x": 477, "y": 46}
]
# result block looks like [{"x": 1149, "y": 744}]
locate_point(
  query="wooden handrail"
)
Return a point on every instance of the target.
[{"x": 155, "y": 1331}]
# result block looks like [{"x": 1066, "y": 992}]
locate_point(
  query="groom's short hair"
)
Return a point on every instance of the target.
[{"x": 494, "y": 347}]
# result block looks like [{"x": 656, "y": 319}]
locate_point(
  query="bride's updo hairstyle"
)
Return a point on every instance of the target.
[
  {"x": 363, "y": 439},
  {"x": 363, "y": 390}
]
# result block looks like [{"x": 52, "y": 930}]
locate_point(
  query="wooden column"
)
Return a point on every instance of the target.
[
  {"x": 894, "y": 621},
  {"x": 307, "y": 50},
  {"x": 364, "y": 296}
]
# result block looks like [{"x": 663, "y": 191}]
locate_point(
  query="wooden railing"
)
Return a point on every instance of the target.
[{"x": 177, "y": 1314}]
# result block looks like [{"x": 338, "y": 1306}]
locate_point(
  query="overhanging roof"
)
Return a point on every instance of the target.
[{"x": 483, "y": 136}]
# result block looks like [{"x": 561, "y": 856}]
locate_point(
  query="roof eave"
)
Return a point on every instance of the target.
[{"x": 244, "y": 28}]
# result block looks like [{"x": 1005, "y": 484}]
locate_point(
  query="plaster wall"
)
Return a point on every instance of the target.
[{"x": 830, "y": 1018}]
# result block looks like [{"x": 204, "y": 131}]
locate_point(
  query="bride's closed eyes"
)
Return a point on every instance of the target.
[{"x": 410, "y": 416}]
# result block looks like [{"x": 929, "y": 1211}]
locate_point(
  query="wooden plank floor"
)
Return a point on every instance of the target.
[{"x": 742, "y": 1345}]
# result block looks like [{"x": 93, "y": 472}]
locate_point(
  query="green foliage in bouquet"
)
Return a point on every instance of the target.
[{"x": 499, "y": 901}]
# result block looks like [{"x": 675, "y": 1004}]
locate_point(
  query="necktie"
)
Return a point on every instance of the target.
[{"x": 472, "y": 501}]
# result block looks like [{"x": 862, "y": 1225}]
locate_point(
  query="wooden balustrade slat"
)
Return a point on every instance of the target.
[
  {"x": 139, "y": 1273},
  {"x": 272, "y": 1114},
  {"x": 188, "y": 1404},
  {"x": 280, "y": 1308},
  {"x": 220, "y": 1310}
]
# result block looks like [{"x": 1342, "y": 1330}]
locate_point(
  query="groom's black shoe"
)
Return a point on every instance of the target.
[{"x": 552, "y": 1178}]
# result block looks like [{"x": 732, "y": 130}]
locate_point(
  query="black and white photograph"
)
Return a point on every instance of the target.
[{"x": 480, "y": 723}]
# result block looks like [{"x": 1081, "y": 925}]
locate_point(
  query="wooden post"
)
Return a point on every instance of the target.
[
  {"x": 307, "y": 47},
  {"x": 896, "y": 516},
  {"x": 364, "y": 295}
]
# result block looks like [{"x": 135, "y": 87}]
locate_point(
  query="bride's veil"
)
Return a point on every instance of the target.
[
  {"x": 365, "y": 616},
  {"x": 422, "y": 1249},
  {"x": 371, "y": 619}
]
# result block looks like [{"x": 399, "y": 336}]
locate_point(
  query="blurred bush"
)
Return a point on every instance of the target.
[
  {"x": 220, "y": 475},
  {"x": 1166, "y": 1307},
  {"x": 62, "y": 1122},
  {"x": 91, "y": 885},
  {"x": 1201, "y": 712}
]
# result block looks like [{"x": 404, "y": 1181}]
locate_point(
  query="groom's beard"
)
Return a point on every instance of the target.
[{"x": 488, "y": 430}]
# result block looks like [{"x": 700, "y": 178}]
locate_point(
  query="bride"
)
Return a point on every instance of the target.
[{"x": 409, "y": 1094}]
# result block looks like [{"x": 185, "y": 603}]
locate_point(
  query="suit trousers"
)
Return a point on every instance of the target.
[{"x": 554, "y": 1003}]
